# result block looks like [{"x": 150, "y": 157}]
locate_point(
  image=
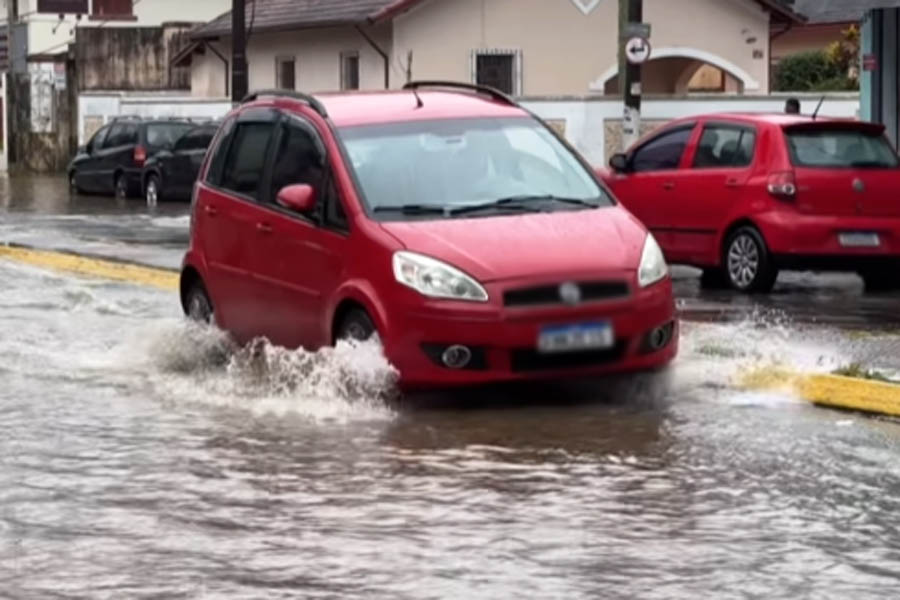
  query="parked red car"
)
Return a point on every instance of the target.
[
  {"x": 744, "y": 195},
  {"x": 445, "y": 218}
]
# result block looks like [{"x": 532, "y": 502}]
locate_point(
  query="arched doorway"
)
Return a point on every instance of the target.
[{"x": 681, "y": 71}]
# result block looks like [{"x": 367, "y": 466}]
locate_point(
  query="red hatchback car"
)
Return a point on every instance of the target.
[
  {"x": 444, "y": 218},
  {"x": 744, "y": 195}
]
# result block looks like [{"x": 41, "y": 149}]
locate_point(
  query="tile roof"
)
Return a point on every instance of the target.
[
  {"x": 284, "y": 15},
  {"x": 839, "y": 11}
]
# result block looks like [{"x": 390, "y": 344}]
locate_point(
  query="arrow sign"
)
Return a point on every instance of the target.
[{"x": 637, "y": 50}]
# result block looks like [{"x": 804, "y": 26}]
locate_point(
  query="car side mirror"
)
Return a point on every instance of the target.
[
  {"x": 619, "y": 163},
  {"x": 299, "y": 198}
]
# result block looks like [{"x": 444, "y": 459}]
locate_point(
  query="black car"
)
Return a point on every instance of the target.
[
  {"x": 171, "y": 173},
  {"x": 113, "y": 161}
]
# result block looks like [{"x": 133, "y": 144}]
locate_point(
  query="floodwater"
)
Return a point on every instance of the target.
[{"x": 143, "y": 457}]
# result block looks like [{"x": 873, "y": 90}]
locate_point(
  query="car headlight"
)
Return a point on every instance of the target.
[
  {"x": 436, "y": 279},
  {"x": 653, "y": 264}
]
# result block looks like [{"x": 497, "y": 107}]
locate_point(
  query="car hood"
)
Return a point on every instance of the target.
[{"x": 607, "y": 239}]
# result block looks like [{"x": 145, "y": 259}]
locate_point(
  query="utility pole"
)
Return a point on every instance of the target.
[
  {"x": 12, "y": 16},
  {"x": 239, "y": 79},
  {"x": 634, "y": 49}
]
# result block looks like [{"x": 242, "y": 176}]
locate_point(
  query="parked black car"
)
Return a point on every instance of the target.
[
  {"x": 113, "y": 161},
  {"x": 171, "y": 173}
]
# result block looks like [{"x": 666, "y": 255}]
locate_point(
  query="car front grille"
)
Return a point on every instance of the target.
[
  {"x": 529, "y": 360},
  {"x": 589, "y": 291}
]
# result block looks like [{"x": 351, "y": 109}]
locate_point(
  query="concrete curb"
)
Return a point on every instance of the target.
[
  {"x": 833, "y": 391},
  {"x": 94, "y": 267}
]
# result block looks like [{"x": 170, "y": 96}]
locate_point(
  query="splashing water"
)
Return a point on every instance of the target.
[{"x": 352, "y": 381}]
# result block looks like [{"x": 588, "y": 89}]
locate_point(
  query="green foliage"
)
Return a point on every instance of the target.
[{"x": 834, "y": 69}]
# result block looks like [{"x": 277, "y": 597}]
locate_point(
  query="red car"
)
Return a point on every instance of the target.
[
  {"x": 444, "y": 218},
  {"x": 744, "y": 195}
]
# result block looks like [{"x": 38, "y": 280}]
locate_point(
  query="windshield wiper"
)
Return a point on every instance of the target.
[
  {"x": 522, "y": 202},
  {"x": 413, "y": 209}
]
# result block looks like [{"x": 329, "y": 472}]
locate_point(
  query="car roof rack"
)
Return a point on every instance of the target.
[
  {"x": 459, "y": 85},
  {"x": 305, "y": 98}
]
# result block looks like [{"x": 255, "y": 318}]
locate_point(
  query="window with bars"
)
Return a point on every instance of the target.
[
  {"x": 500, "y": 69},
  {"x": 286, "y": 73},
  {"x": 349, "y": 70}
]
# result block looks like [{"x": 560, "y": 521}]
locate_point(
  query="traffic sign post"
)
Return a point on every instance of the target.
[{"x": 634, "y": 50}]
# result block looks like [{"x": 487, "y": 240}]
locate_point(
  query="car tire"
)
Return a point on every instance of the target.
[
  {"x": 152, "y": 191},
  {"x": 356, "y": 325},
  {"x": 73, "y": 184},
  {"x": 880, "y": 280},
  {"x": 120, "y": 188},
  {"x": 197, "y": 305},
  {"x": 748, "y": 264}
]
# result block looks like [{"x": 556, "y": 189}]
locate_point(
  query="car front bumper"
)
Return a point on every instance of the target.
[{"x": 503, "y": 341}]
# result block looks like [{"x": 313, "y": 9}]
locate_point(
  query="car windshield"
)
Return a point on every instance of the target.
[
  {"x": 448, "y": 167},
  {"x": 840, "y": 148},
  {"x": 164, "y": 135}
]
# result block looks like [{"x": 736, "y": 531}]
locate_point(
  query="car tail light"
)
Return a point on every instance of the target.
[
  {"x": 783, "y": 185},
  {"x": 140, "y": 155}
]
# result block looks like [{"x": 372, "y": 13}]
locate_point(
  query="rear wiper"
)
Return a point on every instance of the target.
[{"x": 413, "y": 209}]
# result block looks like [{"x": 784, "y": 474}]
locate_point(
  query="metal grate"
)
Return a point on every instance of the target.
[{"x": 591, "y": 291}]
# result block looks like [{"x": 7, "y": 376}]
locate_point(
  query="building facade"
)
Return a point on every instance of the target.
[{"x": 534, "y": 48}]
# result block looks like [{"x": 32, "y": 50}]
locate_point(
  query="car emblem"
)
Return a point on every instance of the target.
[
  {"x": 859, "y": 186},
  {"x": 570, "y": 293}
]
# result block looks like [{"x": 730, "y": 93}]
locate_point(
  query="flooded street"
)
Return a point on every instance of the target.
[{"x": 143, "y": 457}]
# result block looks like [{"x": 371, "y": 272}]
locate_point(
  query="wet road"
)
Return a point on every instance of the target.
[{"x": 145, "y": 458}]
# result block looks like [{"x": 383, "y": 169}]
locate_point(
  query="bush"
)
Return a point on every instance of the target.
[{"x": 806, "y": 72}]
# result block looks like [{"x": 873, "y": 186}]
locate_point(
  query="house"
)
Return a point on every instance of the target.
[
  {"x": 826, "y": 20},
  {"x": 880, "y": 75},
  {"x": 534, "y": 48}
]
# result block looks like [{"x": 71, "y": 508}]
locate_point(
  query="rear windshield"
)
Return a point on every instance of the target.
[
  {"x": 840, "y": 148},
  {"x": 163, "y": 135}
]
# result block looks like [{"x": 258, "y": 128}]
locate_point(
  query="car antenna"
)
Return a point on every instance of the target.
[
  {"x": 419, "y": 103},
  {"x": 816, "y": 112}
]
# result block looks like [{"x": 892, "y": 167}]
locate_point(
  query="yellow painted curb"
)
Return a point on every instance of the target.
[
  {"x": 105, "y": 269},
  {"x": 835, "y": 391}
]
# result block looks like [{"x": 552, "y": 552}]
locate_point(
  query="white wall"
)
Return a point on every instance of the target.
[
  {"x": 585, "y": 119},
  {"x": 98, "y": 108}
]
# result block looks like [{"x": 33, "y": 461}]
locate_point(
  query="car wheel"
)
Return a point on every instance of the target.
[
  {"x": 880, "y": 280},
  {"x": 151, "y": 194},
  {"x": 197, "y": 305},
  {"x": 356, "y": 325},
  {"x": 73, "y": 184},
  {"x": 748, "y": 264},
  {"x": 121, "y": 188}
]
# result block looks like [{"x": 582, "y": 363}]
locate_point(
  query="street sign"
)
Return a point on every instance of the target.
[
  {"x": 641, "y": 30},
  {"x": 637, "y": 50},
  {"x": 870, "y": 62}
]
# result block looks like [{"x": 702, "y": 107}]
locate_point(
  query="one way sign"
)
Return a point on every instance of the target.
[{"x": 637, "y": 50}]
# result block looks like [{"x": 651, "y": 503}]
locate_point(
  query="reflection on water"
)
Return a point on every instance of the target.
[{"x": 144, "y": 457}]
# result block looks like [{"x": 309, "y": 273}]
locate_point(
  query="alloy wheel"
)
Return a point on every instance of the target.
[
  {"x": 743, "y": 261},
  {"x": 152, "y": 195},
  {"x": 199, "y": 308},
  {"x": 121, "y": 187}
]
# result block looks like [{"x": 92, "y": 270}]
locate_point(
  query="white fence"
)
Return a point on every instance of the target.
[
  {"x": 97, "y": 108},
  {"x": 593, "y": 124}
]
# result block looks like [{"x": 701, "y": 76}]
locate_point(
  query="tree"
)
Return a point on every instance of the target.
[{"x": 834, "y": 69}]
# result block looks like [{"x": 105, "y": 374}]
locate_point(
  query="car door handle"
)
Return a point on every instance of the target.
[
  {"x": 210, "y": 210},
  {"x": 264, "y": 228},
  {"x": 669, "y": 185},
  {"x": 732, "y": 183}
]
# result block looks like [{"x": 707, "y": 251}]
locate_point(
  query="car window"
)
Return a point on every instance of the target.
[
  {"x": 663, "y": 152},
  {"x": 195, "y": 140},
  {"x": 840, "y": 148},
  {"x": 164, "y": 135},
  {"x": 725, "y": 146},
  {"x": 129, "y": 134},
  {"x": 217, "y": 162},
  {"x": 242, "y": 172},
  {"x": 115, "y": 134},
  {"x": 97, "y": 141}
]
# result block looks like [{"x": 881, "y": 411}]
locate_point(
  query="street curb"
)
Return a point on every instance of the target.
[
  {"x": 95, "y": 267},
  {"x": 832, "y": 391}
]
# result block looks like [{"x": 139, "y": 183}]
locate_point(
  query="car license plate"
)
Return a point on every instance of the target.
[
  {"x": 572, "y": 338},
  {"x": 859, "y": 240}
]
